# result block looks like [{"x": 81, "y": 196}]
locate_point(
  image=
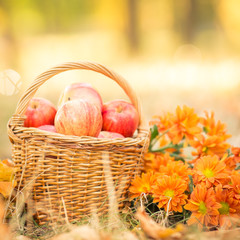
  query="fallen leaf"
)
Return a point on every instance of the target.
[
  {"x": 21, "y": 237},
  {"x": 83, "y": 232},
  {"x": 128, "y": 236},
  {"x": 5, "y": 232},
  {"x": 154, "y": 230},
  {"x": 150, "y": 227},
  {"x": 8, "y": 162},
  {"x": 6, "y": 171},
  {"x": 6, "y": 188},
  {"x": 223, "y": 234}
]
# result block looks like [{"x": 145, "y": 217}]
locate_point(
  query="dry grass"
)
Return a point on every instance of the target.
[{"x": 133, "y": 223}]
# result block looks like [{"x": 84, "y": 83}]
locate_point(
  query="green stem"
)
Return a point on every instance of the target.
[
  {"x": 177, "y": 157},
  {"x": 154, "y": 141},
  {"x": 170, "y": 145}
]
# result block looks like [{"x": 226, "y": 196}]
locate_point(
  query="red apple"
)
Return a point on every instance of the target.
[
  {"x": 121, "y": 117},
  {"x": 80, "y": 91},
  {"x": 40, "y": 111},
  {"x": 78, "y": 117},
  {"x": 112, "y": 135},
  {"x": 49, "y": 128}
]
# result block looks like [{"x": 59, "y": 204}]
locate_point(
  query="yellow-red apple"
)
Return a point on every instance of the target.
[
  {"x": 40, "y": 111},
  {"x": 112, "y": 135},
  {"x": 81, "y": 91},
  {"x": 121, "y": 117},
  {"x": 79, "y": 117},
  {"x": 49, "y": 128}
]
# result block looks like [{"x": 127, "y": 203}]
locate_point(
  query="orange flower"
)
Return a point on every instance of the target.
[
  {"x": 210, "y": 170},
  {"x": 142, "y": 184},
  {"x": 184, "y": 125},
  {"x": 203, "y": 206},
  {"x": 160, "y": 161},
  {"x": 235, "y": 180},
  {"x": 212, "y": 145},
  {"x": 228, "y": 211},
  {"x": 163, "y": 122},
  {"x": 236, "y": 153},
  {"x": 177, "y": 169},
  {"x": 212, "y": 128},
  {"x": 168, "y": 192},
  {"x": 163, "y": 141},
  {"x": 230, "y": 162},
  {"x": 149, "y": 158}
]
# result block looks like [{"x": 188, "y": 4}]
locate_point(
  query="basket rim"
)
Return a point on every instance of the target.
[{"x": 31, "y": 132}]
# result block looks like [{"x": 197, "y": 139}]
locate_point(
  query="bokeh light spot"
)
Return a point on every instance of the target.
[{"x": 10, "y": 82}]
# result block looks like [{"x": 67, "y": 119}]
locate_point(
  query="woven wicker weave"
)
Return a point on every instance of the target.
[{"x": 66, "y": 173}]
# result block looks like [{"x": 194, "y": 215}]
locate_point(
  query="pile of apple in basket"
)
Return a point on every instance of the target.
[{"x": 81, "y": 112}]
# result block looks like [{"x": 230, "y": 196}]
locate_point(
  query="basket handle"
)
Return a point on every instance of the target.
[{"x": 42, "y": 78}]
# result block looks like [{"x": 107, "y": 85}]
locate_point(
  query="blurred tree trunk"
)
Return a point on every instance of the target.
[
  {"x": 190, "y": 20},
  {"x": 9, "y": 51},
  {"x": 185, "y": 12},
  {"x": 193, "y": 16},
  {"x": 132, "y": 25}
]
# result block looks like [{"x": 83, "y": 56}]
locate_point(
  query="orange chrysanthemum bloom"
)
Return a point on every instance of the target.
[
  {"x": 163, "y": 141},
  {"x": 228, "y": 212},
  {"x": 212, "y": 145},
  {"x": 163, "y": 122},
  {"x": 212, "y": 128},
  {"x": 149, "y": 158},
  {"x": 142, "y": 185},
  {"x": 236, "y": 154},
  {"x": 177, "y": 169},
  {"x": 153, "y": 161},
  {"x": 168, "y": 192},
  {"x": 230, "y": 162},
  {"x": 235, "y": 185},
  {"x": 160, "y": 161},
  {"x": 203, "y": 206},
  {"x": 185, "y": 124},
  {"x": 210, "y": 170}
]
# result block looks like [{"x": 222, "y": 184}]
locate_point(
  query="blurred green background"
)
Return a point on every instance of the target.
[{"x": 171, "y": 52}]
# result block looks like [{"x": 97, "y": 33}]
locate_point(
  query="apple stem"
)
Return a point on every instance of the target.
[{"x": 119, "y": 109}]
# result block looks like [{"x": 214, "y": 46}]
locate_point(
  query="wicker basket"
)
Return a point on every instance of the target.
[{"x": 66, "y": 173}]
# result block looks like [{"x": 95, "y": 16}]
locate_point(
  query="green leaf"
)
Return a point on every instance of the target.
[
  {"x": 154, "y": 132},
  {"x": 177, "y": 157},
  {"x": 237, "y": 168},
  {"x": 229, "y": 152},
  {"x": 205, "y": 129}
]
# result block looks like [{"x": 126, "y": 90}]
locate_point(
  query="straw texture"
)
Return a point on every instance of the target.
[{"x": 66, "y": 173}]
